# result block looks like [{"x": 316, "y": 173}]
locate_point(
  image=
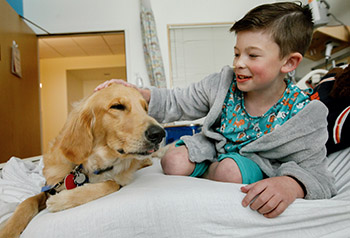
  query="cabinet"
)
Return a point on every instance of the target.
[{"x": 322, "y": 35}]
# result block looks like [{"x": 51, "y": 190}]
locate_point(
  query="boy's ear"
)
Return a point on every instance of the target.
[{"x": 292, "y": 62}]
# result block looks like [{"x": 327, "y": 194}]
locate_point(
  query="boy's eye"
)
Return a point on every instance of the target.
[
  {"x": 236, "y": 55},
  {"x": 253, "y": 55}
]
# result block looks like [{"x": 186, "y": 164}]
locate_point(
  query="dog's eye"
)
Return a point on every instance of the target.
[{"x": 120, "y": 107}]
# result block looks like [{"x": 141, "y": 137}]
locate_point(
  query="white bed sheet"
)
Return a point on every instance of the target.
[
  {"x": 156, "y": 205},
  {"x": 19, "y": 180}
]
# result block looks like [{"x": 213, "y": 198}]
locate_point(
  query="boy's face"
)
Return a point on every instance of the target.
[{"x": 257, "y": 62}]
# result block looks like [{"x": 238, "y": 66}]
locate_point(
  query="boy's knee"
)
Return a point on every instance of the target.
[
  {"x": 176, "y": 162},
  {"x": 168, "y": 165},
  {"x": 227, "y": 171}
]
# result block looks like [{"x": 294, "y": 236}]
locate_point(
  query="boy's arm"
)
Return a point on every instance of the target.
[
  {"x": 272, "y": 196},
  {"x": 190, "y": 103}
]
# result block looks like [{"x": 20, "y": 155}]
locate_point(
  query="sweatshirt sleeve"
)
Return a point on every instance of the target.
[{"x": 193, "y": 102}]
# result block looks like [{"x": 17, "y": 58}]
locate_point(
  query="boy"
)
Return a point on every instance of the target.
[{"x": 260, "y": 129}]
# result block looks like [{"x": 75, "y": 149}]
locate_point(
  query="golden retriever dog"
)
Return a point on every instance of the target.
[{"x": 106, "y": 138}]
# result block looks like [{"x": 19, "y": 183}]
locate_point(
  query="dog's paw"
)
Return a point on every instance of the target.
[
  {"x": 145, "y": 163},
  {"x": 59, "y": 202},
  {"x": 161, "y": 152}
]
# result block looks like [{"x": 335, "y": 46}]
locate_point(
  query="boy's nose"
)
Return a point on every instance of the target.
[{"x": 238, "y": 62}]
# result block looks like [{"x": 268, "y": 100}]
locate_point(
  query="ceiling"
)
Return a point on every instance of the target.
[{"x": 81, "y": 45}]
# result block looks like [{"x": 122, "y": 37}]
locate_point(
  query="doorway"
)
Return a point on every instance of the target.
[
  {"x": 71, "y": 65},
  {"x": 82, "y": 82}
]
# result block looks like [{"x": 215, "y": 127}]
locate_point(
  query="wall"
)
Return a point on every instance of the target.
[
  {"x": 66, "y": 16},
  {"x": 86, "y": 15},
  {"x": 19, "y": 97},
  {"x": 53, "y": 75},
  {"x": 75, "y": 89}
]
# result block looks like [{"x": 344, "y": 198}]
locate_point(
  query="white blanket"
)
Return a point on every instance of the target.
[
  {"x": 19, "y": 180},
  {"x": 156, "y": 205}
]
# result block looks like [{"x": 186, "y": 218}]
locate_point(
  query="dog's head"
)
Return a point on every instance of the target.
[{"x": 114, "y": 118}]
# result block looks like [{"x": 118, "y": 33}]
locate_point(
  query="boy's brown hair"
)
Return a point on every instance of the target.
[{"x": 290, "y": 25}]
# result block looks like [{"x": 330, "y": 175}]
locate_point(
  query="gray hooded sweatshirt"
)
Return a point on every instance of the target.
[{"x": 297, "y": 148}]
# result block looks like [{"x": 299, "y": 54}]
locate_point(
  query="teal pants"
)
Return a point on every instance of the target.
[{"x": 250, "y": 171}]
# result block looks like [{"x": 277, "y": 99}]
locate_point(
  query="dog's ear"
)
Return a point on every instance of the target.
[{"x": 77, "y": 138}]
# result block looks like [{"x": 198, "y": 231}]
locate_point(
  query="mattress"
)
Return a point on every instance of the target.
[{"x": 157, "y": 205}]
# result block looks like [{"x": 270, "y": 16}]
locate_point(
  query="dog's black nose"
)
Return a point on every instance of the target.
[{"x": 155, "y": 134}]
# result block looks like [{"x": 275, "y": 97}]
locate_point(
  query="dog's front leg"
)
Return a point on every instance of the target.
[{"x": 80, "y": 195}]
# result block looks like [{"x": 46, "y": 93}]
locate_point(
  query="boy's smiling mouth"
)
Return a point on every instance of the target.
[{"x": 242, "y": 78}]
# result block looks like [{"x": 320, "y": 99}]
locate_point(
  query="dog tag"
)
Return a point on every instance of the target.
[
  {"x": 69, "y": 182},
  {"x": 79, "y": 178}
]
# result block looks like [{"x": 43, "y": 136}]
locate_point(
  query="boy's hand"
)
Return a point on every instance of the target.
[
  {"x": 144, "y": 92},
  {"x": 272, "y": 196},
  {"x": 108, "y": 82}
]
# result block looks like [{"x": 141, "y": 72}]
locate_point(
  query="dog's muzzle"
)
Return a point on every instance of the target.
[{"x": 155, "y": 134}]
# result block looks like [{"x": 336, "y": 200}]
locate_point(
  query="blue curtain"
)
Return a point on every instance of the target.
[{"x": 153, "y": 57}]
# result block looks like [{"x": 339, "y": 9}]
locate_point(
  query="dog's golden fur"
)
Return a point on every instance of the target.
[{"x": 110, "y": 128}]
